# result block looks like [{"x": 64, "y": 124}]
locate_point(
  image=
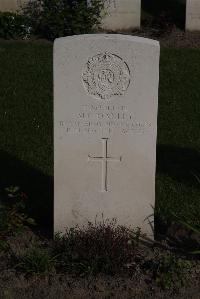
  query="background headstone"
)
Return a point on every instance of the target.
[
  {"x": 193, "y": 15},
  {"x": 105, "y": 122},
  {"x": 122, "y": 14},
  {"x": 11, "y": 5}
]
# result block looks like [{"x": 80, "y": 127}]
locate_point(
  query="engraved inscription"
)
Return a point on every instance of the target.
[
  {"x": 104, "y": 159},
  {"x": 103, "y": 120},
  {"x": 105, "y": 76}
]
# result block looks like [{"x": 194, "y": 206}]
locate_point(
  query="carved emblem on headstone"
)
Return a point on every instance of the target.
[{"x": 105, "y": 76}]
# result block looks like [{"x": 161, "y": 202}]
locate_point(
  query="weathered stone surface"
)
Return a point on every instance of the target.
[
  {"x": 105, "y": 122},
  {"x": 193, "y": 15}
]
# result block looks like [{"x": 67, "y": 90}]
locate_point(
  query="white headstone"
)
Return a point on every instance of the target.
[
  {"x": 105, "y": 121},
  {"x": 122, "y": 14},
  {"x": 12, "y": 5},
  {"x": 193, "y": 15}
]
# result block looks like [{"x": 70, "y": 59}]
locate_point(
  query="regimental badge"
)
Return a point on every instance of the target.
[{"x": 106, "y": 76}]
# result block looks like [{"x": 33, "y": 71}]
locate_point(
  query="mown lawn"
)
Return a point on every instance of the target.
[{"x": 26, "y": 128}]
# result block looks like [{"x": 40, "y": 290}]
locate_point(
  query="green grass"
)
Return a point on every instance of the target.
[
  {"x": 26, "y": 136},
  {"x": 102, "y": 248},
  {"x": 178, "y": 153},
  {"x": 35, "y": 261},
  {"x": 26, "y": 102}
]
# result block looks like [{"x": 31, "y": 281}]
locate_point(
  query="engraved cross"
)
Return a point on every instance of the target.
[{"x": 104, "y": 159}]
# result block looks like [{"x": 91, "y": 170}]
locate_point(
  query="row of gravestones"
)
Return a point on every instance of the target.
[{"x": 125, "y": 14}]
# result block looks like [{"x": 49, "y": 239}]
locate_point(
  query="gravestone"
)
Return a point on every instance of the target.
[
  {"x": 105, "y": 116},
  {"x": 12, "y": 5},
  {"x": 193, "y": 15},
  {"x": 122, "y": 14}
]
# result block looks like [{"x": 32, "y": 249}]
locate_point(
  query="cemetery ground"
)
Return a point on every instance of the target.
[{"x": 102, "y": 261}]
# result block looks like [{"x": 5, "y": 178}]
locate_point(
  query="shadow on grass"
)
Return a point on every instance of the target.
[
  {"x": 181, "y": 164},
  {"x": 161, "y": 13},
  {"x": 37, "y": 186}
]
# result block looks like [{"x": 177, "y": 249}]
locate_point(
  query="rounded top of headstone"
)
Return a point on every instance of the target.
[{"x": 116, "y": 37}]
